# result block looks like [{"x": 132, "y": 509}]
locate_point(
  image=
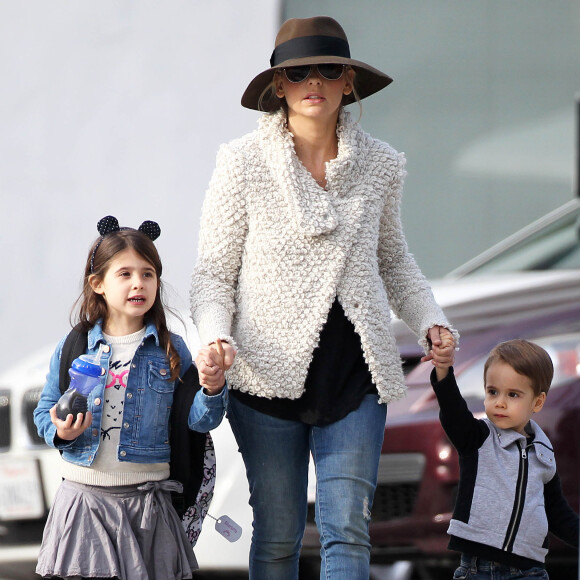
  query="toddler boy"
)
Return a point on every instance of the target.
[{"x": 509, "y": 490}]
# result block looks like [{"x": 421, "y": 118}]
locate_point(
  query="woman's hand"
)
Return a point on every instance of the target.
[
  {"x": 226, "y": 354},
  {"x": 70, "y": 428},
  {"x": 442, "y": 353},
  {"x": 212, "y": 361},
  {"x": 442, "y": 342}
]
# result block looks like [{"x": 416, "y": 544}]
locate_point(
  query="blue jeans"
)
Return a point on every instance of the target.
[
  {"x": 346, "y": 455},
  {"x": 478, "y": 569}
]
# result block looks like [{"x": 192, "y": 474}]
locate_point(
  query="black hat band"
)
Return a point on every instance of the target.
[{"x": 309, "y": 46}]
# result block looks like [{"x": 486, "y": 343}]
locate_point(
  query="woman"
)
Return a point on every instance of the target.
[{"x": 301, "y": 259}]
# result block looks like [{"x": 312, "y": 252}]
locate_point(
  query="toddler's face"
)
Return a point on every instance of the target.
[{"x": 509, "y": 398}]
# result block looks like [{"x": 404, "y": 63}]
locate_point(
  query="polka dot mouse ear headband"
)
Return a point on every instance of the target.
[{"x": 110, "y": 224}]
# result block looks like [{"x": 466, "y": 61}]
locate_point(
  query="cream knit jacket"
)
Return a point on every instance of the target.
[{"x": 275, "y": 249}]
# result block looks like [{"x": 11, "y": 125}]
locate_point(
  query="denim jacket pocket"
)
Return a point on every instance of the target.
[
  {"x": 157, "y": 404},
  {"x": 159, "y": 377}
]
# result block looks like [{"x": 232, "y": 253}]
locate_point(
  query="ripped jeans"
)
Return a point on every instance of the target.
[{"x": 346, "y": 456}]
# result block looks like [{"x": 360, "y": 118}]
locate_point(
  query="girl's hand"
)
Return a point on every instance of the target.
[
  {"x": 71, "y": 428},
  {"x": 211, "y": 374}
]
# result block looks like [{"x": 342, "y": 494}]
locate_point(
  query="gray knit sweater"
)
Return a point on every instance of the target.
[{"x": 275, "y": 249}]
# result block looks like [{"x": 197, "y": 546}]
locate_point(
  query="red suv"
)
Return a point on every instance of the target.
[{"x": 418, "y": 471}]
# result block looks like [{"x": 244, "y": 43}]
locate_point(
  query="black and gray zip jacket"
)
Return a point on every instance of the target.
[{"x": 509, "y": 490}]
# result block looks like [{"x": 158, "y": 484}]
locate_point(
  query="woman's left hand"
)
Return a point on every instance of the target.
[{"x": 434, "y": 337}]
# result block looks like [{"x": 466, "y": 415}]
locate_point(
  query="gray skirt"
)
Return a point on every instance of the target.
[{"x": 129, "y": 532}]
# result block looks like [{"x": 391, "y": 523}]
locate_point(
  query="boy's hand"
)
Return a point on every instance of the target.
[
  {"x": 442, "y": 351},
  {"x": 70, "y": 428},
  {"x": 435, "y": 336},
  {"x": 443, "y": 355}
]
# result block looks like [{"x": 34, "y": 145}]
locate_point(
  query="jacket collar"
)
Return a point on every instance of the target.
[
  {"x": 95, "y": 334},
  {"x": 310, "y": 204},
  {"x": 508, "y": 436}
]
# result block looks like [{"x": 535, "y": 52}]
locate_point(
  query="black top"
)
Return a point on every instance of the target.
[{"x": 338, "y": 378}]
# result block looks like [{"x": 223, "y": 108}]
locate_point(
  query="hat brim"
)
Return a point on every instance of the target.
[{"x": 368, "y": 80}]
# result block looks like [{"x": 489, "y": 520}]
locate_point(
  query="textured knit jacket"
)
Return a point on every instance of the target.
[
  {"x": 509, "y": 491},
  {"x": 275, "y": 249}
]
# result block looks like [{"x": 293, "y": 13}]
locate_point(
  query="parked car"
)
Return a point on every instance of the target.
[{"x": 526, "y": 287}]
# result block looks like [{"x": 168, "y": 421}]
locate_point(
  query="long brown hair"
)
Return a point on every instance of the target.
[{"x": 90, "y": 306}]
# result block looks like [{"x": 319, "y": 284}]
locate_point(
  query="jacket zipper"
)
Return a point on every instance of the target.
[{"x": 519, "y": 499}]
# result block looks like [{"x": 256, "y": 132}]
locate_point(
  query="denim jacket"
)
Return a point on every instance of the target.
[{"x": 144, "y": 435}]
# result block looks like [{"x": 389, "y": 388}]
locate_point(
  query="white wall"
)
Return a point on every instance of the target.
[{"x": 111, "y": 107}]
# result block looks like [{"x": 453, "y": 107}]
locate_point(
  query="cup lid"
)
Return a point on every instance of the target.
[{"x": 84, "y": 364}]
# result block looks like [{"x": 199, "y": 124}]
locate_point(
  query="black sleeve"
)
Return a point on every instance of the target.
[
  {"x": 563, "y": 521},
  {"x": 465, "y": 431}
]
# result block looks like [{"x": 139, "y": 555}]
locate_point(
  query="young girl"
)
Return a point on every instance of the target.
[
  {"x": 301, "y": 258},
  {"x": 112, "y": 516}
]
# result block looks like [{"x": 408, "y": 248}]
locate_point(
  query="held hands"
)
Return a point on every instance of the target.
[
  {"x": 226, "y": 353},
  {"x": 442, "y": 351},
  {"x": 70, "y": 428},
  {"x": 212, "y": 362}
]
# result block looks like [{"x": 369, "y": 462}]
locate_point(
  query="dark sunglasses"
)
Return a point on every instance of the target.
[{"x": 330, "y": 72}]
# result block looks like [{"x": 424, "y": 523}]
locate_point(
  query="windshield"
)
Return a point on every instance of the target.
[{"x": 555, "y": 246}]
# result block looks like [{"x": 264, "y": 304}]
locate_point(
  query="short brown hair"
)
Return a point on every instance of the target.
[{"x": 527, "y": 359}]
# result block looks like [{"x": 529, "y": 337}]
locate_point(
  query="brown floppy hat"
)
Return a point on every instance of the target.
[{"x": 316, "y": 40}]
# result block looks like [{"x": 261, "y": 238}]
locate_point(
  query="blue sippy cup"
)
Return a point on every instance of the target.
[{"x": 85, "y": 374}]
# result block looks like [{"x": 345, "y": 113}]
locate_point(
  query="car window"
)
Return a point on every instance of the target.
[
  {"x": 564, "y": 350},
  {"x": 556, "y": 247}
]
